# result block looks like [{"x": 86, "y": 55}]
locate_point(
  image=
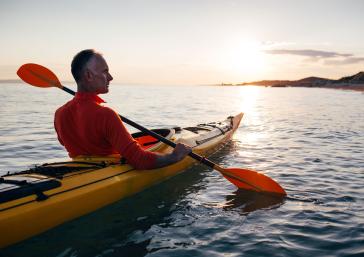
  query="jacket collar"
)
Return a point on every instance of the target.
[{"x": 87, "y": 96}]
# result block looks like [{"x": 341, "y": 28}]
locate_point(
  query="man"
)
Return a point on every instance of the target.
[{"x": 85, "y": 127}]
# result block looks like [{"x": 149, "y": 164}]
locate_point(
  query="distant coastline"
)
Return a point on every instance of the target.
[
  {"x": 17, "y": 81},
  {"x": 10, "y": 81},
  {"x": 354, "y": 82}
]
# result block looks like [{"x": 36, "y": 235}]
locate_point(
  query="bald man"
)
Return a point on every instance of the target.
[{"x": 87, "y": 128}]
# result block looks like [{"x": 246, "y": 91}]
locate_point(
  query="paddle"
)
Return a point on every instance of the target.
[{"x": 39, "y": 76}]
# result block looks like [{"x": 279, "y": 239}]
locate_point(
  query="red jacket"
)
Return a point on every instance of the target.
[{"x": 85, "y": 127}]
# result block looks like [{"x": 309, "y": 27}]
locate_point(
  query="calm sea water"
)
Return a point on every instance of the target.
[{"x": 309, "y": 140}]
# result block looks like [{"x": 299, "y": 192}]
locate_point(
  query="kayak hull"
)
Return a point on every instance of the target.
[{"x": 85, "y": 191}]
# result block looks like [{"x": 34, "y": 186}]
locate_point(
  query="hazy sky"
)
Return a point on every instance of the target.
[{"x": 187, "y": 42}]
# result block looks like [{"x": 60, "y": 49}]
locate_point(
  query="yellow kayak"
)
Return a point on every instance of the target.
[{"x": 48, "y": 195}]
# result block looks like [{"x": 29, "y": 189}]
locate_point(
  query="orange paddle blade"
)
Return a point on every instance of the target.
[
  {"x": 37, "y": 75},
  {"x": 252, "y": 180}
]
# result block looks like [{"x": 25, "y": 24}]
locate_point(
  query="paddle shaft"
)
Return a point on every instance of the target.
[{"x": 159, "y": 137}]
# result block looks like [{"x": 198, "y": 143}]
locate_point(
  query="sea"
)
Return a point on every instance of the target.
[{"x": 309, "y": 140}]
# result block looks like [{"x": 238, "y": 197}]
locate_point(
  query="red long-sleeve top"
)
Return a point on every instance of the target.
[{"x": 85, "y": 127}]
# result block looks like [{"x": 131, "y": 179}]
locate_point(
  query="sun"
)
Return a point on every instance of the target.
[
  {"x": 248, "y": 57},
  {"x": 245, "y": 59}
]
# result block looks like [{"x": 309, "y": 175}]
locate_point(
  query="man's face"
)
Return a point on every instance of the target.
[{"x": 97, "y": 74}]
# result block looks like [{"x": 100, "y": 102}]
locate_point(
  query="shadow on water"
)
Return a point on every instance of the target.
[{"x": 244, "y": 201}]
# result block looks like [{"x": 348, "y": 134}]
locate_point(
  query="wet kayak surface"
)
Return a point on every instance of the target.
[{"x": 309, "y": 140}]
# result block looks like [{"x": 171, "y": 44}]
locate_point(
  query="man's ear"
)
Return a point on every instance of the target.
[{"x": 88, "y": 75}]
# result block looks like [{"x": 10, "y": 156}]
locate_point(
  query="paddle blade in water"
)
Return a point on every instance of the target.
[
  {"x": 37, "y": 75},
  {"x": 252, "y": 180}
]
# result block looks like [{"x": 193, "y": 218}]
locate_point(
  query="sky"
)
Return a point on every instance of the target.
[{"x": 188, "y": 41}]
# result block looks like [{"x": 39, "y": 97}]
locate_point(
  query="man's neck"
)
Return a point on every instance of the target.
[{"x": 83, "y": 88}]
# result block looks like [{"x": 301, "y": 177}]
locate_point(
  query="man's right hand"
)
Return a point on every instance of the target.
[{"x": 181, "y": 151}]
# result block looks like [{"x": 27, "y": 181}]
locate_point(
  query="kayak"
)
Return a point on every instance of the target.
[{"x": 42, "y": 197}]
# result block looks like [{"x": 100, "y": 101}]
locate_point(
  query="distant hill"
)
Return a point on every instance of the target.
[
  {"x": 350, "y": 82},
  {"x": 355, "y": 79}
]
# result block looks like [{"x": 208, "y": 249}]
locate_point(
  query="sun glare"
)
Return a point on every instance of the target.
[
  {"x": 248, "y": 57},
  {"x": 245, "y": 59},
  {"x": 249, "y": 97}
]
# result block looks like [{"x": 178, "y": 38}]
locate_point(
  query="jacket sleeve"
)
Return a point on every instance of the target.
[
  {"x": 55, "y": 127},
  {"x": 121, "y": 140}
]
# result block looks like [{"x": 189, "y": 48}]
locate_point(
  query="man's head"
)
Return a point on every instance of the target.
[{"x": 91, "y": 72}]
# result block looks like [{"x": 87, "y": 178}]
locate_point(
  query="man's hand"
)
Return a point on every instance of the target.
[{"x": 180, "y": 151}]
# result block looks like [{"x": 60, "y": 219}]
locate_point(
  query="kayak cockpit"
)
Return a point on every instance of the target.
[{"x": 148, "y": 142}]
